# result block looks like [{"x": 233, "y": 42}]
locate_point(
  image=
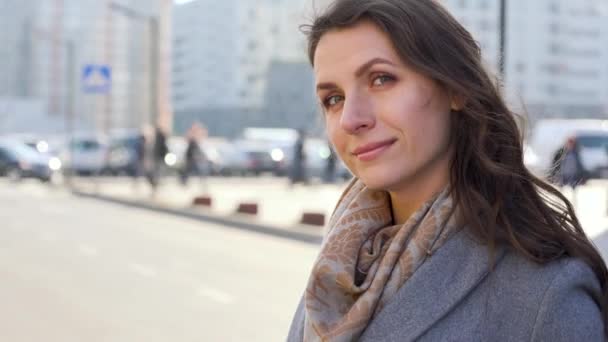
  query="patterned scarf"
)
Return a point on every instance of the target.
[{"x": 365, "y": 259}]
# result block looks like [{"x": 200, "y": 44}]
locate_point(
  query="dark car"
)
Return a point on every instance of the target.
[
  {"x": 18, "y": 160},
  {"x": 263, "y": 157},
  {"x": 123, "y": 154}
]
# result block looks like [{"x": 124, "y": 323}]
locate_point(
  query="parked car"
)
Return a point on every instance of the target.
[
  {"x": 18, "y": 160},
  {"x": 594, "y": 153},
  {"x": 317, "y": 153},
  {"x": 86, "y": 155},
  {"x": 263, "y": 156},
  {"x": 224, "y": 157},
  {"x": 46, "y": 144},
  {"x": 122, "y": 153}
]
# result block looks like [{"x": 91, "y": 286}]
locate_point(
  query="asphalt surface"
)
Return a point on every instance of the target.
[
  {"x": 76, "y": 269},
  {"x": 80, "y": 269}
]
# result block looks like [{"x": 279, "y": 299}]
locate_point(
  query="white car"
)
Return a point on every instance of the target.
[{"x": 86, "y": 155}]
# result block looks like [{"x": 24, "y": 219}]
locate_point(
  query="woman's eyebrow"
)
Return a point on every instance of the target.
[
  {"x": 365, "y": 66},
  {"x": 326, "y": 86},
  {"x": 360, "y": 71}
]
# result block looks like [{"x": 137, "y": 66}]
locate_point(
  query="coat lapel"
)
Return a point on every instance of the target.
[{"x": 433, "y": 290}]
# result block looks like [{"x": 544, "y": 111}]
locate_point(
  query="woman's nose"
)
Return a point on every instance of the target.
[{"x": 357, "y": 115}]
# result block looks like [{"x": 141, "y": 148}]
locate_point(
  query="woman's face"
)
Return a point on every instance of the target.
[{"x": 387, "y": 122}]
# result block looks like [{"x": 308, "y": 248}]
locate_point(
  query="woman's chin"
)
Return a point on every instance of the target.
[{"x": 378, "y": 182}]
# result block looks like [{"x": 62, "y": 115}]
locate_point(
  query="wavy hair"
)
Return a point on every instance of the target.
[{"x": 501, "y": 201}]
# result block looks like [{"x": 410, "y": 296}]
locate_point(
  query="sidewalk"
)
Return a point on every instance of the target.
[{"x": 280, "y": 207}]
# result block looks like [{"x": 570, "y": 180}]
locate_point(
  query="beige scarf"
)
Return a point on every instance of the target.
[{"x": 365, "y": 259}]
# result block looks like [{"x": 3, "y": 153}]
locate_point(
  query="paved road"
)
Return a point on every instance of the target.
[
  {"x": 80, "y": 270},
  {"x": 74, "y": 269}
]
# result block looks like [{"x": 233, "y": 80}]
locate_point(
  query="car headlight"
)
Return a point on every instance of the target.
[
  {"x": 42, "y": 146},
  {"x": 277, "y": 154},
  {"x": 170, "y": 159},
  {"x": 55, "y": 164},
  {"x": 324, "y": 152}
]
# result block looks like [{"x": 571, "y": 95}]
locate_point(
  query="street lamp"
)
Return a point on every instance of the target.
[
  {"x": 154, "y": 32},
  {"x": 501, "y": 39}
]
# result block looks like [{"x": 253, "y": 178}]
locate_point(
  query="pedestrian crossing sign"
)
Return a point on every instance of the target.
[{"x": 96, "y": 78}]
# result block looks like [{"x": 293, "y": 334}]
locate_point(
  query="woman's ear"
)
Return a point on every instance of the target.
[{"x": 457, "y": 102}]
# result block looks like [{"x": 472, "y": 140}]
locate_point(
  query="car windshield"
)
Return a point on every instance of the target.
[
  {"x": 593, "y": 141},
  {"x": 23, "y": 151},
  {"x": 85, "y": 145}
]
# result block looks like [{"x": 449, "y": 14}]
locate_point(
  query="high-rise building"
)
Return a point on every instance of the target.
[
  {"x": 223, "y": 49},
  {"x": 557, "y": 57},
  {"x": 223, "y": 56},
  {"x": 15, "y": 47},
  {"x": 40, "y": 63},
  {"x": 555, "y": 52}
]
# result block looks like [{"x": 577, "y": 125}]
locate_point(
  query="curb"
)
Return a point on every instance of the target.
[{"x": 237, "y": 221}]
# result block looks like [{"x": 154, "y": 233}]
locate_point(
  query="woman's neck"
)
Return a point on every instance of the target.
[{"x": 406, "y": 201}]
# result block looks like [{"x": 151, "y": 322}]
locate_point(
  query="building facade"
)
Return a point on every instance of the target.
[
  {"x": 58, "y": 38},
  {"x": 555, "y": 54},
  {"x": 223, "y": 54}
]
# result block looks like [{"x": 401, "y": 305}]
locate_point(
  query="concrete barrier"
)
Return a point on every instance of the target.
[
  {"x": 205, "y": 201},
  {"x": 247, "y": 208},
  {"x": 314, "y": 219}
]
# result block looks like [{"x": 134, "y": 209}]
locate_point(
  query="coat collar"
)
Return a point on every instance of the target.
[{"x": 437, "y": 286}]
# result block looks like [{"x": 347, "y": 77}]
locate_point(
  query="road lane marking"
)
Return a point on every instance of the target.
[
  {"x": 215, "y": 295},
  {"x": 143, "y": 270},
  {"x": 87, "y": 250}
]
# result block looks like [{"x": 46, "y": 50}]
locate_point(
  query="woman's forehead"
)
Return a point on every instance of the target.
[{"x": 347, "y": 48}]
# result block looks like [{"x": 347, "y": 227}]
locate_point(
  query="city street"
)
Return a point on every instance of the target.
[
  {"x": 74, "y": 269},
  {"x": 79, "y": 269}
]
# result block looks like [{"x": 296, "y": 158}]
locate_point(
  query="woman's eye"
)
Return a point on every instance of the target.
[
  {"x": 333, "y": 100},
  {"x": 382, "y": 80}
]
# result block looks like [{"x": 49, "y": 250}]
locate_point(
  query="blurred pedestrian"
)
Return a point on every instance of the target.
[
  {"x": 329, "y": 175},
  {"x": 567, "y": 167},
  {"x": 298, "y": 167},
  {"x": 159, "y": 152},
  {"x": 139, "y": 151},
  {"x": 195, "y": 161},
  {"x": 443, "y": 234}
]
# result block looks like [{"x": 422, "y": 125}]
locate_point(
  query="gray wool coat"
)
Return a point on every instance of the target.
[{"x": 453, "y": 296}]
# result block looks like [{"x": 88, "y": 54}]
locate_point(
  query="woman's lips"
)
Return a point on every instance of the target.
[{"x": 371, "y": 151}]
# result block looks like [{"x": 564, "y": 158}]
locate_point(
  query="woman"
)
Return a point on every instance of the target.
[{"x": 443, "y": 234}]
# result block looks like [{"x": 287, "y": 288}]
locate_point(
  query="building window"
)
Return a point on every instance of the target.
[
  {"x": 554, "y": 28},
  {"x": 554, "y": 8},
  {"x": 178, "y": 97},
  {"x": 554, "y": 48}
]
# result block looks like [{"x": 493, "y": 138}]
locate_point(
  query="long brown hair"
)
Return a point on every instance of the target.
[{"x": 499, "y": 199}]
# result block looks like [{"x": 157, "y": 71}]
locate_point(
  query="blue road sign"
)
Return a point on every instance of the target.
[{"x": 96, "y": 79}]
